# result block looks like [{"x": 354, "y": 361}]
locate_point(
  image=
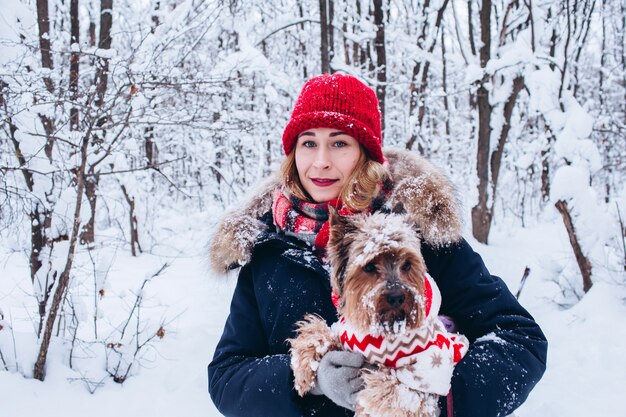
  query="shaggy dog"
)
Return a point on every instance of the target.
[{"x": 387, "y": 306}]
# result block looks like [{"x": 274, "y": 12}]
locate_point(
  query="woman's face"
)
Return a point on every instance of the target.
[{"x": 325, "y": 158}]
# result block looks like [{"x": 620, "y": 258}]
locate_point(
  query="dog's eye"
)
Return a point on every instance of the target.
[
  {"x": 370, "y": 268},
  {"x": 406, "y": 267}
]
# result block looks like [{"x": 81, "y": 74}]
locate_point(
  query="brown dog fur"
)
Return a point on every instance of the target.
[
  {"x": 384, "y": 396},
  {"x": 374, "y": 259},
  {"x": 313, "y": 340},
  {"x": 395, "y": 261}
]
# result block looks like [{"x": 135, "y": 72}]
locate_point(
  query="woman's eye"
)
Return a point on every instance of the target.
[
  {"x": 340, "y": 144},
  {"x": 406, "y": 267},
  {"x": 370, "y": 268},
  {"x": 308, "y": 144}
]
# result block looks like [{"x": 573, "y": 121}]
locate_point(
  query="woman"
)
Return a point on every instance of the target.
[{"x": 333, "y": 144}]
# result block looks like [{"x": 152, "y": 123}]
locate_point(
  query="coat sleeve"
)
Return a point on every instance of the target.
[
  {"x": 250, "y": 374},
  {"x": 507, "y": 354},
  {"x": 244, "y": 379}
]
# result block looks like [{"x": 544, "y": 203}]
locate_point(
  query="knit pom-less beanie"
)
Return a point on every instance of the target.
[{"x": 340, "y": 102}]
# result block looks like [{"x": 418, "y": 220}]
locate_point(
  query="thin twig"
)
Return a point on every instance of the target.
[
  {"x": 144, "y": 168},
  {"x": 92, "y": 385},
  {"x": 140, "y": 295},
  {"x": 522, "y": 282},
  {"x": 6, "y": 368},
  {"x": 622, "y": 232}
]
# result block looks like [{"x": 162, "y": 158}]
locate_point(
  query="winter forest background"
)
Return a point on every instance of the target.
[{"x": 128, "y": 127}]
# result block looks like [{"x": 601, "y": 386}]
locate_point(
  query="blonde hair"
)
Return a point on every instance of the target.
[{"x": 362, "y": 186}]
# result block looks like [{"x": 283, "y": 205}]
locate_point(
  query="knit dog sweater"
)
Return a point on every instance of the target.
[{"x": 423, "y": 358}]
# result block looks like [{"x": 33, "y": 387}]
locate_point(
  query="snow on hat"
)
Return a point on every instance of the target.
[{"x": 340, "y": 102}]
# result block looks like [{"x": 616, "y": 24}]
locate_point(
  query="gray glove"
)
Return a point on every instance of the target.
[{"x": 338, "y": 377}]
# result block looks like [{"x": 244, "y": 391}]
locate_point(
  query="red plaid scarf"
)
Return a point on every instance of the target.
[{"x": 309, "y": 221}]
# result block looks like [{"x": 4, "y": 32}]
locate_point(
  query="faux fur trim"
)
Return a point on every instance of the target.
[
  {"x": 427, "y": 197},
  {"x": 420, "y": 190},
  {"x": 238, "y": 229}
]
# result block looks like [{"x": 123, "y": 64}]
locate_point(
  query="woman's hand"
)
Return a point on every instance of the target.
[{"x": 338, "y": 377}]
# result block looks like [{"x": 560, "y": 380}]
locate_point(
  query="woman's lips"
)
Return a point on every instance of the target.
[{"x": 323, "y": 182}]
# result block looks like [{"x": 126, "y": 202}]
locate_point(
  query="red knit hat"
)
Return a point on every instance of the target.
[{"x": 340, "y": 102}]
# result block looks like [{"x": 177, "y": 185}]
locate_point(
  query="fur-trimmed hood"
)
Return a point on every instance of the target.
[{"x": 420, "y": 191}]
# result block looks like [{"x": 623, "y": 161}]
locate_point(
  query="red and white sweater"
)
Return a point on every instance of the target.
[{"x": 423, "y": 358}]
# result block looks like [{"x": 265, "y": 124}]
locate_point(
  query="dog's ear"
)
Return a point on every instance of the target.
[
  {"x": 340, "y": 226},
  {"x": 341, "y": 236}
]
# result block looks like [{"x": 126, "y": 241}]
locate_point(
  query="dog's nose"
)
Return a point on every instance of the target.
[{"x": 395, "y": 297}]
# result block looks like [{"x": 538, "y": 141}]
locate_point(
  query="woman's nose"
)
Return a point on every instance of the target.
[{"x": 322, "y": 159}]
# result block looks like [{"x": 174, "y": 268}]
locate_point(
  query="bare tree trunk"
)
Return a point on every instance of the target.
[
  {"x": 583, "y": 262},
  {"x": 552, "y": 39},
  {"x": 496, "y": 156},
  {"x": 533, "y": 43},
  {"x": 74, "y": 62},
  {"x": 472, "y": 95},
  {"x": 603, "y": 54},
  {"x": 102, "y": 73},
  {"x": 148, "y": 133},
  {"x": 601, "y": 96},
  {"x": 155, "y": 17},
  {"x": 87, "y": 234},
  {"x": 470, "y": 29},
  {"x": 324, "y": 29},
  {"x": 623, "y": 44},
  {"x": 565, "y": 54},
  {"x": 360, "y": 50},
  {"x": 545, "y": 170},
  {"x": 444, "y": 82},
  {"x": 581, "y": 40},
  {"x": 92, "y": 33},
  {"x": 43, "y": 23},
  {"x": 39, "y": 214},
  {"x": 368, "y": 60},
  {"x": 414, "y": 88},
  {"x": 64, "y": 279},
  {"x": 381, "y": 58},
  {"x": 303, "y": 50},
  {"x": 346, "y": 45},
  {"x": 481, "y": 214},
  {"x": 152, "y": 151},
  {"x": 417, "y": 92},
  {"x": 37, "y": 230},
  {"x": 39, "y": 219},
  {"x": 100, "y": 81},
  {"x": 331, "y": 33},
  {"x": 134, "y": 231}
]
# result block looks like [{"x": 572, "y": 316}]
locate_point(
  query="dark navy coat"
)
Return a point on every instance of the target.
[{"x": 250, "y": 373}]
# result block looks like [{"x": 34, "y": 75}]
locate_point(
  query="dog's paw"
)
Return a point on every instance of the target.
[
  {"x": 384, "y": 395},
  {"x": 377, "y": 396},
  {"x": 313, "y": 340}
]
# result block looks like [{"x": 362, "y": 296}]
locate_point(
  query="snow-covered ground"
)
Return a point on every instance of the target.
[{"x": 586, "y": 373}]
